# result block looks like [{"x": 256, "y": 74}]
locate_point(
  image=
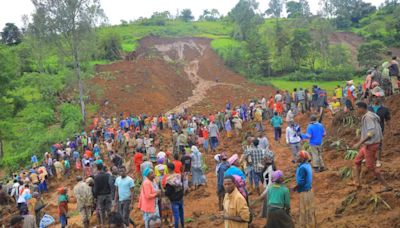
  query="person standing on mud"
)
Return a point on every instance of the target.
[
  {"x": 278, "y": 203},
  {"x": 236, "y": 212},
  {"x": 223, "y": 166},
  {"x": 214, "y": 135},
  {"x": 315, "y": 133},
  {"x": 257, "y": 158},
  {"x": 174, "y": 191},
  {"x": 102, "y": 194},
  {"x": 371, "y": 138},
  {"x": 394, "y": 74},
  {"x": 124, "y": 194},
  {"x": 303, "y": 187},
  {"x": 276, "y": 123},
  {"x": 384, "y": 116},
  {"x": 84, "y": 198}
]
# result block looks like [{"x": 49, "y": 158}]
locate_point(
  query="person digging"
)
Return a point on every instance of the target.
[{"x": 371, "y": 137}]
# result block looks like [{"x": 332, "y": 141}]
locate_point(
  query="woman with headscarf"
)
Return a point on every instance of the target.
[
  {"x": 160, "y": 165},
  {"x": 278, "y": 203},
  {"x": 198, "y": 177},
  {"x": 234, "y": 168},
  {"x": 148, "y": 197}
]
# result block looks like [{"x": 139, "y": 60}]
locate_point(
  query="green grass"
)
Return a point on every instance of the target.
[
  {"x": 131, "y": 33},
  {"x": 290, "y": 85}
]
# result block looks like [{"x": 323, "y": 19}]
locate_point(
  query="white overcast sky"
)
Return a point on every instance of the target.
[{"x": 117, "y": 10}]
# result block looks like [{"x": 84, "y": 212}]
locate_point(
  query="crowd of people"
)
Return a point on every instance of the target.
[{"x": 126, "y": 159}]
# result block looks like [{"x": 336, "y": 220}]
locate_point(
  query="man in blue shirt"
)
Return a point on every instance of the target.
[
  {"x": 220, "y": 177},
  {"x": 315, "y": 133},
  {"x": 124, "y": 194},
  {"x": 303, "y": 187}
]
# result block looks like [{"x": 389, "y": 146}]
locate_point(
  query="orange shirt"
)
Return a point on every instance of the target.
[
  {"x": 89, "y": 154},
  {"x": 178, "y": 166},
  {"x": 205, "y": 133}
]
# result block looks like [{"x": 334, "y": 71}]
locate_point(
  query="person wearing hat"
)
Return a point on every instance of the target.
[
  {"x": 278, "y": 203},
  {"x": 84, "y": 197},
  {"x": 371, "y": 138},
  {"x": 303, "y": 187},
  {"x": 315, "y": 134},
  {"x": 222, "y": 167}
]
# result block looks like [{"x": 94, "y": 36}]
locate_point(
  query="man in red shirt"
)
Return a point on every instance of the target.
[
  {"x": 177, "y": 164},
  {"x": 205, "y": 136},
  {"x": 137, "y": 160}
]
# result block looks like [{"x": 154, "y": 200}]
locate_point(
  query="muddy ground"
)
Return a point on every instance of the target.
[{"x": 172, "y": 74}]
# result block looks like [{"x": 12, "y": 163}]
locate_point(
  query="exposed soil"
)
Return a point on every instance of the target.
[
  {"x": 353, "y": 42},
  {"x": 172, "y": 74}
]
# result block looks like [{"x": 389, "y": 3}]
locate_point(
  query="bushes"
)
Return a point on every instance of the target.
[
  {"x": 110, "y": 46},
  {"x": 70, "y": 115}
]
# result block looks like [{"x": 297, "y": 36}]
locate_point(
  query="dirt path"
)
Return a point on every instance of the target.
[{"x": 201, "y": 85}]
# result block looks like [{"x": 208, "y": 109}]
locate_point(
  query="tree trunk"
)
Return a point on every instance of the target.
[
  {"x": 78, "y": 75},
  {"x": 80, "y": 84},
  {"x": 1, "y": 147}
]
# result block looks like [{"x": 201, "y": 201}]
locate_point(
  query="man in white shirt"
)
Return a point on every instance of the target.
[{"x": 293, "y": 139}]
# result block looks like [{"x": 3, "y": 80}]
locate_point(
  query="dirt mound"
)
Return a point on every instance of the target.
[
  {"x": 146, "y": 85},
  {"x": 169, "y": 75}
]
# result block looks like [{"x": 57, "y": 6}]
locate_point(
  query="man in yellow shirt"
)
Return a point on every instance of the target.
[
  {"x": 335, "y": 105},
  {"x": 339, "y": 93},
  {"x": 236, "y": 212}
]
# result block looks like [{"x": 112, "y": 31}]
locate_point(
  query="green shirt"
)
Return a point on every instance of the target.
[
  {"x": 276, "y": 121},
  {"x": 278, "y": 195}
]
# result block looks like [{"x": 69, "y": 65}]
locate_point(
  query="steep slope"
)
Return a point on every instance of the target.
[{"x": 168, "y": 75}]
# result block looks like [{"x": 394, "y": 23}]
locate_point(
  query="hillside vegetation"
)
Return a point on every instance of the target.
[{"x": 40, "y": 73}]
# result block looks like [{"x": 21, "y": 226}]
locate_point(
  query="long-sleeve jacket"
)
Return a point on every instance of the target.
[{"x": 147, "y": 198}]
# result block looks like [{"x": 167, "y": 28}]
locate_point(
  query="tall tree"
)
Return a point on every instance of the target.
[
  {"x": 209, "y": 15},
  {"x": 70, "y": 23},
  {"x": 245, "y": 18},
  {"x": 298, "y": 9},
  {"x": 8, "y": 73},
  {"x": 300, "y": 45},
  {"x": 186, "y": 15},
  {"x": 275, "y": 8},
  {"x": 370, "y": 54},
  {"x": 347, "y": 12},
  {"x": 11, "y": 34}
]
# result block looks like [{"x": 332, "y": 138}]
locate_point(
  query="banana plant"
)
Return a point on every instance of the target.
[
  {"x": 350, "y": 154},
  {"x": 345, "y": 172},
  {"x": 376, "y": 199}
]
